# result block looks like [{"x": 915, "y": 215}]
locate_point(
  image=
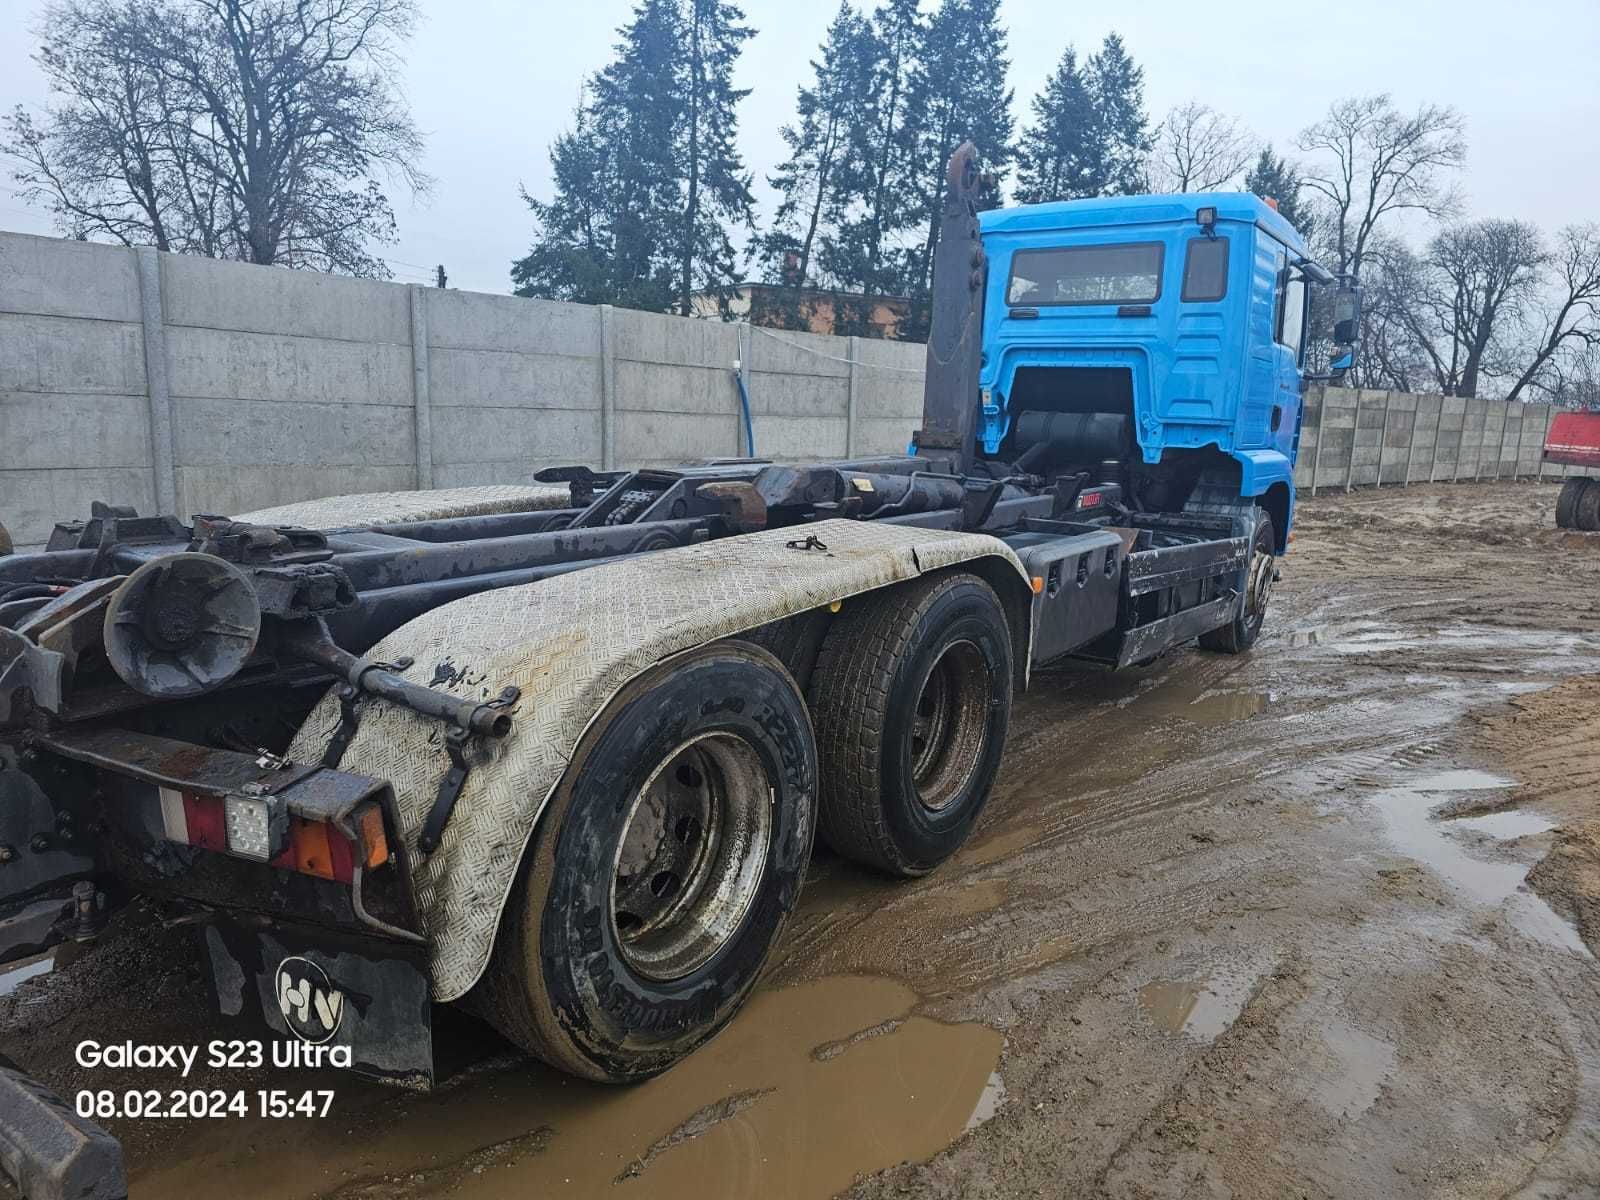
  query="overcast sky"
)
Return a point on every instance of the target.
[{"x": 492, "y": 82}]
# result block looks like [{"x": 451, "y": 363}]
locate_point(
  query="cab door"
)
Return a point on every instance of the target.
[
  {"x": 1261, "y": 361},
  {"x": 1288, "y": 353}
]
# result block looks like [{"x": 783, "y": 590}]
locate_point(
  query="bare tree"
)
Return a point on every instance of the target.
[
  {"x": 1198, "y": 149},
  {"x": 1572, "y": 324},
  {"x": 246, "y": 129},
  {"x": 1485, "y": 273},
  {"x": 1370, "y": 161}
]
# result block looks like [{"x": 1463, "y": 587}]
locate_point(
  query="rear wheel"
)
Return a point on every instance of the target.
[
  {"x": 1567, "y": 503},
  {"x": 668, "y": 861},
  {"x": 1586, "y": 514},
  {"x": 1239, "y": 634},
  {"x": 911, "y": 697}
]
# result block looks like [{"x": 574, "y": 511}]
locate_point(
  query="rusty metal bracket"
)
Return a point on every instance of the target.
[
  {"x": 456, "y": 742},
  {"x": 349, "y": 722}
]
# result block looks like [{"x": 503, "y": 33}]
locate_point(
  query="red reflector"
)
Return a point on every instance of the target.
[
  {"x": 339, "y": 851},
  {"x": 203, "y": 815}
]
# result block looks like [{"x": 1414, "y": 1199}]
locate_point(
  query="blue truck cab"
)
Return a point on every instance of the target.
[{"x": 1166, "y": 331}]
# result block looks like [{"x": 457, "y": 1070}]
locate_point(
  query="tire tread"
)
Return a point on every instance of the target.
[{"x": 849, "y": 699}]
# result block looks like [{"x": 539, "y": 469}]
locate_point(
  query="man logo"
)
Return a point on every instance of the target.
[{"x": 311, "y": 1006}]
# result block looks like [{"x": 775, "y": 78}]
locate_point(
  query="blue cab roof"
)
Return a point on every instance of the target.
[{"x": 1103, "y": 211}]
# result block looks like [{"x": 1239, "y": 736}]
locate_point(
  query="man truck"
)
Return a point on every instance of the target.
[{"x": 560, "y": 754}]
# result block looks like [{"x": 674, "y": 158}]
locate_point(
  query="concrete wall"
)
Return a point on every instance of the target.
[
  {"x": 192, "y": 385},
  {"x": 188, "y": 385},
  {"x": 1363, "y": 438}
]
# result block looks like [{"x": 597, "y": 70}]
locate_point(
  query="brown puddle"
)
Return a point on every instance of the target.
[
  {"x": 1202, "y": 705},
  {"x": 1200, "y": 1010},
  {"x": 810, "y": 1086}
]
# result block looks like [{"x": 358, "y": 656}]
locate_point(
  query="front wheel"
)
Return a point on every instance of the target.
[
  {"x": 663, "y": 870},
  {"x": 1239, "y": 634}
]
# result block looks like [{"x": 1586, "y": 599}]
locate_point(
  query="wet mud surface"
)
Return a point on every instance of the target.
[{"x": 1320, "y": 920}]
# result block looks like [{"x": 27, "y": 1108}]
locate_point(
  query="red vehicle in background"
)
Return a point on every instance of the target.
[{"x": 1574, "y": 441}]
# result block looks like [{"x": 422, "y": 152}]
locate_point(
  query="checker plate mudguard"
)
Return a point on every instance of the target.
[{"x": 570, "y": 644}]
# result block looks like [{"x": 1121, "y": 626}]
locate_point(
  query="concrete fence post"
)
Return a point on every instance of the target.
[
  {"x": 420, "y": 395},
  {"x": 163, "y": 450},
  {"x": 1355, "y": 437},
  {"x": 741, "y": 445},
  {"x": 1433, "y": 453},
  {"x": 1322, "y": 432},
  {"x": 1483, "y": 436},
  {"x": 1383, "y": 437},
  {"x": 608, "y": 388},
  {"x": 1500, "y": 454},
  {"x": 853, "y": 401},
  {"x": 1411, "y": 438}
]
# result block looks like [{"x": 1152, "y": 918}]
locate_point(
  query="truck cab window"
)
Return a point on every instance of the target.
[
  {"x": 1292, "y": 316},
  {"x": 1125, "y": 274},
  {"x": 1205, "y": 269}
]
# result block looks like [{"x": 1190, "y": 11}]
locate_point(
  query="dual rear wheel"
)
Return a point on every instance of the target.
[
  {"x": 675, "y": 846},
  {"x": 1578, "y": 505}
]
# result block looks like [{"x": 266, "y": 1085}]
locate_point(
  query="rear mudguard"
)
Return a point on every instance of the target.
[{"x": 570, "y": 644}]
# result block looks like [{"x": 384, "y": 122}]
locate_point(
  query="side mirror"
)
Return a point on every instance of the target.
[
  {"x": 1340, "y": 367},
  {"x": 1347, "y": 315}
]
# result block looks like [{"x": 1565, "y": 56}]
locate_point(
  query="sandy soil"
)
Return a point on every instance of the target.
[{"x": 1316, "y": 921}]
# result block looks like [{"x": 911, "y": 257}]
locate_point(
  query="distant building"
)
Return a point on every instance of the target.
[{"x": 818, "y": 310}]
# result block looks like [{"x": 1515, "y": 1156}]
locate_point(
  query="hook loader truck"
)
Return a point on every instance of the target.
[{"x": 560, "y": 754}]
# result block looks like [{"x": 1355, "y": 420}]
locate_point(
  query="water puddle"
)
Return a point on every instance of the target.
[
  {"x": 1200, "y": 1010},
  {"x": 809, "y": 1087},
  {"x": 1203, "y": 705},
  {"x": 1407, "y": 812},
  {"x": 1361, "y": 1065},
  {"x": 1505, "y": 826}
]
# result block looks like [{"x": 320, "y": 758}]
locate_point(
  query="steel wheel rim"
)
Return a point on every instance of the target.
[
  {"x": 1260, "y": 586},
  {"x": 949, "y": 725},
  {"x": 692, "y": 854}
]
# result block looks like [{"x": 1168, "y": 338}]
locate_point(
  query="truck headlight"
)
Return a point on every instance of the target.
[{"x": 256, "y": 828}]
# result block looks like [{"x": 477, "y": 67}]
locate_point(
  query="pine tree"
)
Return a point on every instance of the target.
[
  {"x": 1089, "y": 135},
  {"x": 1276, "y": 178},
  {"x": 1121, "y": 139},
  {"x": 1053, "y": 157},
  {"x": 717, "y": 189},
  {"x": 960, "y": 91},
  {"x": 813, "y": 180},
  {"x": 649, "y": 175},
  {"x": 877, "y": 180}
]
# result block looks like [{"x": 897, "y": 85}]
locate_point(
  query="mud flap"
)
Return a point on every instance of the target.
[
  {"x": 49, "y": 1151},
  {"x": 329, "y": 990}
]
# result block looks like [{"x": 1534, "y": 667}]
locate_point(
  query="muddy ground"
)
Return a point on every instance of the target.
[{"x": 1316, "y": 921}]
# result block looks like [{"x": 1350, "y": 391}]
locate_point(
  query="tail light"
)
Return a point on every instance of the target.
[{"x": 262, "y": 830}]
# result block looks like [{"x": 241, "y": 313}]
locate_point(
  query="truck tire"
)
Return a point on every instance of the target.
[
  {"x": 1586, "y": 513},
  {"x": 1239, "y": 634},
  {"x": 1567, "y": 503},
  {"x": 663, "y": 870},
  {"x": 911, "y": 698}
]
